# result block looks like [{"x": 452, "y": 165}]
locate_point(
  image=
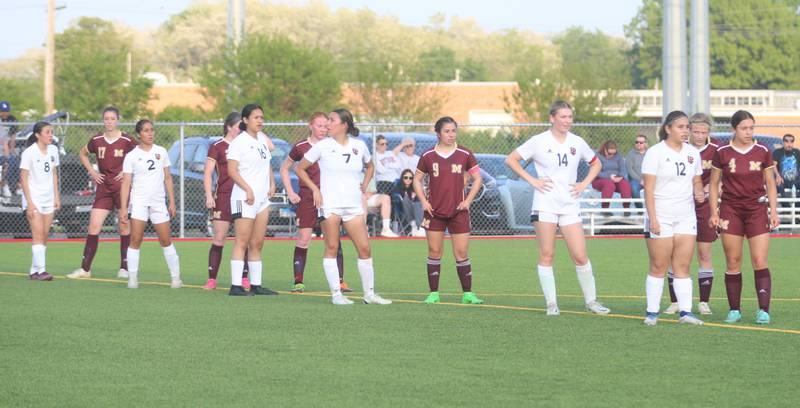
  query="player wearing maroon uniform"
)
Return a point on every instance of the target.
[
  {"x": 218, "y": 200},
  {"x": 447, "y": 166},
  {"x": 745, "y": 169},
  {"x": 304, "y": 201},
  {"x": 109, "y": 148}
]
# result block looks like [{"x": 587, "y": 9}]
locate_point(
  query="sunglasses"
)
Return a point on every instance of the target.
[
  {"x": 382, "y": 144},
  {"x": 407, "y": 178},
  {"x": 640, "y": 142}
]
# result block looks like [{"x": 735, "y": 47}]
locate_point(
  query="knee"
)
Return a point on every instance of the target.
[
  {"x": 364, "y": 251},
  {"x": 580, "y": 260},
  {"x": 546, "y": 257},
  {"x": 303, "y": 238},
  {"x": 165, "y": 241},
  {"x": 759, "y": 262},
  {"x": 460, "y": 255}
]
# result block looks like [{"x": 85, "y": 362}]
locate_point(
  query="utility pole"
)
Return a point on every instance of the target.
[
  {"x": 700, "y": 83},
  {"x": 235, "y": 22},
  {"x": 49, "y": 59},
  {"x": 674, "y": 56}
]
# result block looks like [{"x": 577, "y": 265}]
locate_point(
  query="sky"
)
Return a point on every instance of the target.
[{"x": 24, "y": 21}]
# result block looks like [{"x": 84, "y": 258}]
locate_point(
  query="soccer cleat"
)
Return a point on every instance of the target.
[
  {"x": 704, "y": 308},
  {"x": 552, "y": 309},
  {"x": 388, "y": 233},
  {"x": 374, "y": 299},
  {"x": 470, "y": 299},
  {"x": 133, "y": 281},
  {"x": 298, "y": 288},
  {"x": 239, "y": 291},
  {"x": 340, "y": 300},
  {"x": 762, "y": 317},
  {"x": 123, "y": 273},
  {"x": 734, "y": 316},
  {"x": 246, "y": 283},
  {"x": 44, "y": 276},
  {"x": 689, "y": 318},
  {"x": 344, "y": 288},
  {"x": 33, "y": 276},
  {"x": 432, "y": 298},
  {"x": 262, "y": 291},
  {"x": 211, "y": 284},
  {"x": 597, "y": 308},
  {"x": 651, "y": 319},
  {"x": 672, "y": 308},
  {"x": 79, "y": 274},
  {"x": 176, "y": 283}
]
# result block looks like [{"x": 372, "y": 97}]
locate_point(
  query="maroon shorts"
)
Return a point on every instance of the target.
[
  {"x": 743, "y": 219},
  {"x": 457, "y": 224},
  {"x": 307, "y": 213},
  {"x": 105, "y": 199},
  {"x": 222, "y": 208},
  {"x": 705, "y": 233}
]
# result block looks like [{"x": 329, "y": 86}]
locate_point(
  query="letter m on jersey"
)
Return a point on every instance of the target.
[
  {"x": 755, "y": 165},
  {"x": 119, "y": 153},
  {"x": 456, "y": 168}
]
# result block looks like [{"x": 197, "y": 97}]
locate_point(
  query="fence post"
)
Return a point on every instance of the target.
[{"x": 181, "y": 183}]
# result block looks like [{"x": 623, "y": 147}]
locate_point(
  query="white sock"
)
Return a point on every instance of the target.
[
  {"x": 367, "y": 275},
  {"x": 173, "y": 262},
  {"x": 133, "y": 261},
  {"x": 683, "y": 291},
  {"x": 586, "y": 280},
  {"x": 654, "y": 288},
  {"x": 331, "y": 269},
  {"x": 37, "y": 258},
  {"x": 386, "y": 224},
  {"x": 548, "y": 282},
  {"x": 255, "y": 272},
  {"x": 414, "y": 225},
  {"x": 236, "y": 272},
  {"x": 705, "y": 273}
]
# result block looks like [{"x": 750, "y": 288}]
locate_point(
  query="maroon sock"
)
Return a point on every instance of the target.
[
  {"x": 763, "y": 288},
  {"x": 733, "y": 286},
  {"x": 340, "y": 262},
  {"x": 299, "y": 263},
  {"x": 705, "y": 285},
  {"x": 89, "y": 249},
  {"x": 246, "y": 269},
  {"x": 124, "y": 242},
  {"x": 672, "y": 297},
  {"x": 434, "y": 267},
  {"x": 214, "y": 259},
  {"x": 464, "y": 269}
]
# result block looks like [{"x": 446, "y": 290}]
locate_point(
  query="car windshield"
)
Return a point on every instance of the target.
[{"x": 496, "y": 166}]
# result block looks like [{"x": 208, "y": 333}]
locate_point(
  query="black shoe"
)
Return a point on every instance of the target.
[
  {"x": 258, "y": 290},
  {"x": 239, "y": 291}
]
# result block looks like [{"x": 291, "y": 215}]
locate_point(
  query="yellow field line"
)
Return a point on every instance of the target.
[
  {"x": 485, "y": 306},
  {"x": 534, "y": 295}
]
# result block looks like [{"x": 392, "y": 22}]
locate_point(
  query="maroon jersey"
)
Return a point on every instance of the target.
[
  {"x": 742, "y": 172},
  {"x": 110, "y": 156},
  {"x": 446, "y": 178},
  {"x": 706, "y": 156},
  {"x": 219, "y": 153},
  {"x": 298, "y": 151}
]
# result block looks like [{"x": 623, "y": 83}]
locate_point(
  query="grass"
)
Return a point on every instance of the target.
[{"x": 95, "y": 343}]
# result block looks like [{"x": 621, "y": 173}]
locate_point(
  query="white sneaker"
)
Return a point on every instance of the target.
[
  {"x": 651, "y": 319},
  {"x": 672, "y": 309},
  {"x": 340, "y": 300},
  {"x": 597, "y": 308},
  {"x": 388, "y": 233},
  {"x": 133, "y": 281},
  {"x": 176, "y": 283},
  {"x": 79, "y": 274},
  {"x": 6, "y": 191},
  {"x": 552, "y": 309},
  {"x": 374, "y": 299},
  {"x": 123, "y": 273},
  {"x": 689, "y": 318},
  {"x": 704, "y": 308},
  {"x": 420, "y": 232}
]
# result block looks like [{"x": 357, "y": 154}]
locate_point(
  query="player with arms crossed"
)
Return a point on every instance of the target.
[
  {"x": 109, "y": 148},
  {"x": 339, "y": 198},
  {"x": 556, "y": 154},
  {"x": 146, "y": 184},
  {"x": 744, "y": 168},
  {"x": 447, "y": 166}
]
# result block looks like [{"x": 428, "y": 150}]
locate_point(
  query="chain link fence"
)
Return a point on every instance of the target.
[{"x": 502, "y": 207}]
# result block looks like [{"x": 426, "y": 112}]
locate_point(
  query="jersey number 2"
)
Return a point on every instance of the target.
[{"x": 152, "y": 165}]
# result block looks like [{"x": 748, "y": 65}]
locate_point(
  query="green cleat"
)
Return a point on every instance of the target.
[
  {"x": 298, "y": 288},
  {"x": 734, "y": 316},
  {"x": 432, "y": 298},
  {"x": 762, "y": 317},
  {"x": 470, "y": 299}
]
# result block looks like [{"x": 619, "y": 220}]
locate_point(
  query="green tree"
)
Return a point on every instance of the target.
[
  {"x": 289, "y": 80},
  {"x": 91, "y": 72},
  {"x": 182, "y": 114},
  {"x": 25, "y": 96}
]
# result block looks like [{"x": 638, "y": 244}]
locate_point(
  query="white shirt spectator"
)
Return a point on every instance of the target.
[{"x": 387, "y": 166}]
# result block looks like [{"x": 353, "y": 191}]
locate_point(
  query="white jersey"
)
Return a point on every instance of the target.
[
  {"x": 559, "y": 163},
  {"x": 387, "y": 166},
  {"x": 408, "y": 162},
  {"x": 40, "y": 169},
  {"x": 674, "y": 171},
  {"x": 254, "y": 157},
  {"x": 340, "y": 168},
  {"x": 147, "y": 173}
]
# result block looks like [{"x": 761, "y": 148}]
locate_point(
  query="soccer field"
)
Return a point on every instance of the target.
[{"x": 96, "y": 343}]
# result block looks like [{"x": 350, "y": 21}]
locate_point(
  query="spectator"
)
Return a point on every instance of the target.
[
  {"x": 8, "y": 160},
  {"x": 387, "y": 165},
  {"x": 614, "y": 174},
  {"x": 633, "y": 162},
  {"x": 787, "y": 171},
  {"x": 382, "y": 204},
  {"x": 408, "y": 160},
  {"x": 410, "y": 206}
]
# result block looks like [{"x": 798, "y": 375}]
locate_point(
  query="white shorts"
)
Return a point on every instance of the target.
[
  {"x": 671, "y": 227},
  {"x": 157, "y": 214},
  {"x": 372, "y": 201},
  {"x": 346, "y": 213},
  {"x": 43, "y": 209},
  {"x": 558, "y": 219},
  {"x": 240, "y": 209}
]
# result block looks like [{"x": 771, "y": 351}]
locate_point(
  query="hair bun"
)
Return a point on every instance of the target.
[
  {"x": 355, "y": 132},
  {"x": 242, "y": 126}
]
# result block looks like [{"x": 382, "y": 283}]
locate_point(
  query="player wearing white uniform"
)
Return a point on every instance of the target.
[
  {"x": 556, "y": 154},
  {"x": 146, "y": 185},
  {"x": 40, "y": 199},
  {"x": 249, "y": 168},
  {"x": 341, "y": 160},
  {"x": 671, "y": 173}
]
